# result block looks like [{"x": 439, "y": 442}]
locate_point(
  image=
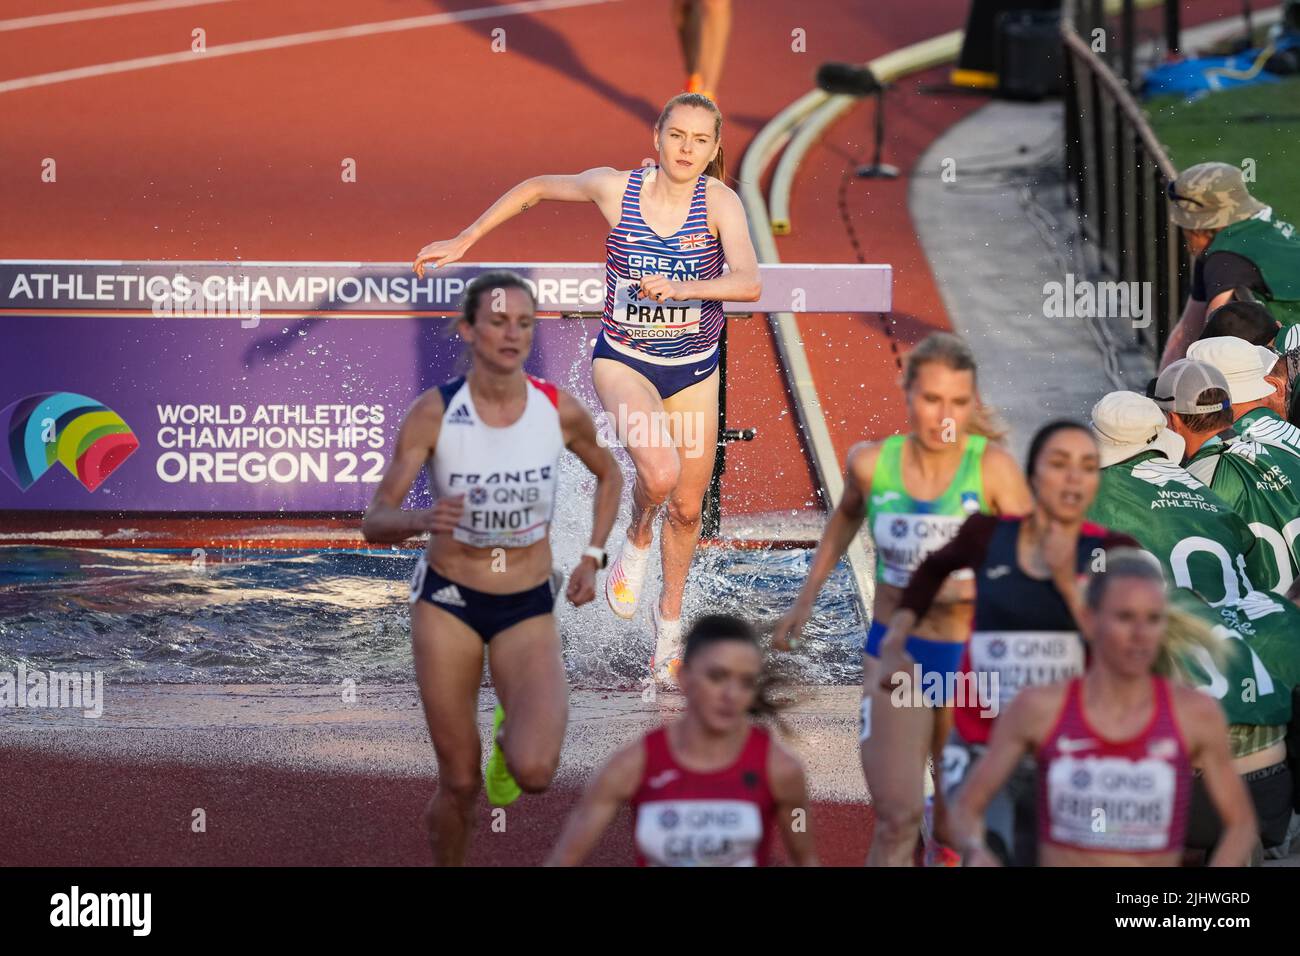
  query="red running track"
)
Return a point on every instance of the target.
[{"x": 229, "y": 157}]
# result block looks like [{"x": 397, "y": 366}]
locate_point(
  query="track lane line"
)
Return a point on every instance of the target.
[
  {"x": 293, "y": 39},
  {"x": 100, "y": 13}
]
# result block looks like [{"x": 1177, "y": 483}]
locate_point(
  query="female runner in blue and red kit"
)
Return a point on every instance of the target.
[
  {"x": 1114, "y": 749},
  {"x": 706, "y": 789},
  {"x": 672, "y": 226}
]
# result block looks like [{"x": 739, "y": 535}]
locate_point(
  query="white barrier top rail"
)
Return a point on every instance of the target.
[{"x": 386, "y": 289}]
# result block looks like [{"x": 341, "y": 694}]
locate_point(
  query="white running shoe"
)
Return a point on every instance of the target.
[
  {"x": 624, "y": 578},
  {"x": 668, "y": 649}
]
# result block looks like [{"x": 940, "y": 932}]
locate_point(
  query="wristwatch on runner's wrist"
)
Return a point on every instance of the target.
[{"x": 602, "y": 558}]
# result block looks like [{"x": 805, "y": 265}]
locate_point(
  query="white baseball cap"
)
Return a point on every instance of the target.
[
  {"x": 1181, "y": 384},
  {"x": 1243, "y": 365},
  {"x": 1127, "y": 424}
]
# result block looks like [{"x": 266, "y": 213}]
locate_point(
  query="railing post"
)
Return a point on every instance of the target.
[
  {"x": 1173, "y": 32},
  {"x": 711, "y": 517},
  {"x": 1127, "y": 49}
]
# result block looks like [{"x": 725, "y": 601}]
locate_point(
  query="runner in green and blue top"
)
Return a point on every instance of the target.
[{"x": 915, "y": 491}]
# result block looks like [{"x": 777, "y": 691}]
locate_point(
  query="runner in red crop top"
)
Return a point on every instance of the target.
[
  {"x": 1115, "y": 748},
  {"x": 687, "y": 818},
  {"x": 706, "y": 789}
]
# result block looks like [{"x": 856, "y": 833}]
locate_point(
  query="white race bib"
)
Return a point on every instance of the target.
[
  {"x": 1108, "y": 803},
  {"x": 1025, "y": 658},
  {"x": 645, "y": 319}
]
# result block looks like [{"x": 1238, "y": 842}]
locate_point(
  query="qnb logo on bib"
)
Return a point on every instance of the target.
[
  {"x": 644, "y": 318},
  {"x": 1025, "y": 658},
  {"x": 905, "y": 540},
  {"x": 699, "y": 832},
  {"x": 1110, "y": 803},
  {"x": 503, "y": 508}
]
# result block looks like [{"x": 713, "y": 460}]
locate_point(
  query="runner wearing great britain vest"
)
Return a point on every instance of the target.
[{"x": 655, "y": 362}]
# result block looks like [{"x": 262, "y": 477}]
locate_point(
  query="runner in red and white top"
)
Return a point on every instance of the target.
[
  {"x": 1115, "y": 748},
  {"x": 708, "y": 788}
]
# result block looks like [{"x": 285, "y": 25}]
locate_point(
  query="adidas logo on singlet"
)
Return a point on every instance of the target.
[
  {"x": 448, "y": 595},
  {"x": 461, "y": 416}
]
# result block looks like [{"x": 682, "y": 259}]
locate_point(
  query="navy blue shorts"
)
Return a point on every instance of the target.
[
  {"x": 938, "y": 658},
  {"x": 486, "y": 614},
  {"x": 668, "y": 380}
]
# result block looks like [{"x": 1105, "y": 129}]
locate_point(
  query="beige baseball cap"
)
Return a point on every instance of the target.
[
  {"x": 1127, "y": 424},
  {"x": 1210, "y": 196},
  {"x": 1243, "y": 365}
]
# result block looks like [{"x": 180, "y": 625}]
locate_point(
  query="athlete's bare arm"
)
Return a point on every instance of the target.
[
  {"x": 385, "y": 522},
  {"x": 742, "y": 282},
  {"x": 842, "y": 525},
  {"x": 1206, "y": 731},
  {"x": 1017, "y": 731},
  {"x": 785, "y": 775},
  {"x": 580, "y": 438},
  {"x": 612, "y": 787},
  {"x": 596, "y": 185},
  {"x": 1004, "y": 483}
]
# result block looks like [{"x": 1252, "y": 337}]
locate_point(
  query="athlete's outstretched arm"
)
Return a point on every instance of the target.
[
  {"x": 588, "y": 186},
  {"x": 1015, "y": 732},
  {"x": 385, "y": 522},
  {"x": 843, "y": 524},
  {"x": 612, "y": 787},
  {"x": 742, "y": 282},
  {"x": 785, "y": 775},
  {"x": 581, "y": 439},
  {"x": 1208, "y": 746}
]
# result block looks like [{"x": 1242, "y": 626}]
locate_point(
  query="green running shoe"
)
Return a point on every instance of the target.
[{"x": 501, "y": 787}]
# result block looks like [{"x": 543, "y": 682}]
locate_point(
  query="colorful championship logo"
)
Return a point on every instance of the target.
[{"x": 90, "y": 439}]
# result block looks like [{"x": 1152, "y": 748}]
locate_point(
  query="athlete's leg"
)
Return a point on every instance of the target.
[
  {"x": 893, "y": 761},
  {"x": 449, "y": 667},
  {"x": 528, "y": 674},
  {"x": 692, "y": 416},
  {"x": 686, "y": 21},
  {"x": 714, "y": 29},
  {"x": 939, "y": 738},
  {"x": 636, "y": 412}
]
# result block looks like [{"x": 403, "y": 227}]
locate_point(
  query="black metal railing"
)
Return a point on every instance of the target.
[{"x": 1116, "y": 171}]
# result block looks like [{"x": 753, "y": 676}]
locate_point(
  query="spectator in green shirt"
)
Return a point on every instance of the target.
[{"x": 1260, "y": 482}]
